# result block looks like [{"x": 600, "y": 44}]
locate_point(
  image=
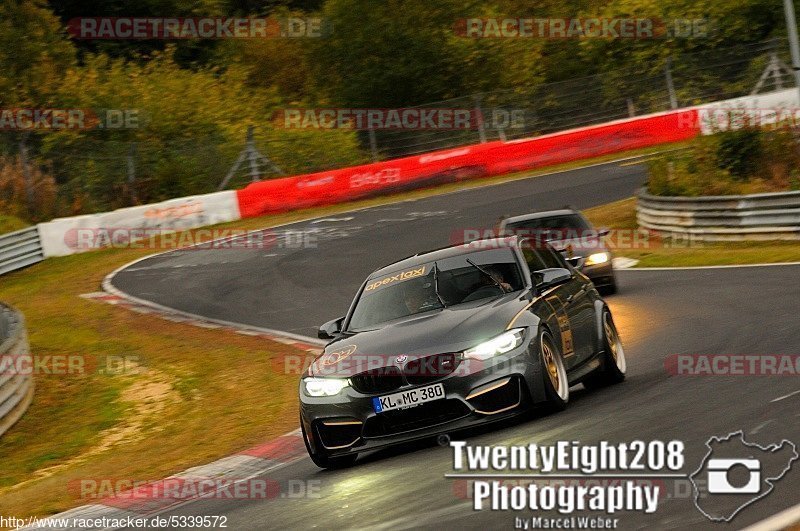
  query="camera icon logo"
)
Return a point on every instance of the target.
[
  {"x": 718, "y": 482},
  {"x": 736, "y": 473}
]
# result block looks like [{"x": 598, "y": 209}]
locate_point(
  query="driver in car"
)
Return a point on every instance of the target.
[
  {"x": 419, "y": 297},
  {"x": 497, "y": 276}
]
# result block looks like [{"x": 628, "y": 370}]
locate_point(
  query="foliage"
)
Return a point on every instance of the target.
[
  {"x": 195, "y": 99},
  {"x": 31, "y": 196},
  {"x": 741, "y": 161},
  {"x": 34, "y": 52},
  {"x": 190, "y": 127}
]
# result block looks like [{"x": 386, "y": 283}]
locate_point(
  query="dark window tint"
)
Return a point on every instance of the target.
[
  {"x": 540, "y": 255},
  {"x": 552, "y": 228}
]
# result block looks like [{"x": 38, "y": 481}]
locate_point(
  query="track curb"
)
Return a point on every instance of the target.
[{"x": 147, "y": 501}]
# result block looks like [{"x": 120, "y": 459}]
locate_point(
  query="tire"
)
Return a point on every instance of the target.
[
  {"x": 556, "y": 385},
  {"x": 325, "y": 461},
  {"x": 614, "y": 365},
  {"x": 610, "y": 288}
]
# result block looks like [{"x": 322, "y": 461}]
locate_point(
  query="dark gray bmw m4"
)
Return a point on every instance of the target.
[{"x": 453, "y": 338}]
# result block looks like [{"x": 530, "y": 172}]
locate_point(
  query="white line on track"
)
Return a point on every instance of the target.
[
  {"x": 785, "y": 396},
  {"x": 436, "y": 517},
  {"x": 731, "y": 266},
  {"x": 782, "y": 520},
  {"x": 108, "y": 287}
]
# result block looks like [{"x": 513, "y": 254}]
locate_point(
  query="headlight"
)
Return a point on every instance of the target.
[
  {"x": 324, "y": 386},
  {"x": 501, "y": 344},
  {"x": 597, "y": 258}
]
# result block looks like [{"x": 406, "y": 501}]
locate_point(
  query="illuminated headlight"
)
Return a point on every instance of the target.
[
  {"x": 505, "y": 342},
  {"x": 324, "y": 386},
  {"x": 597, "y": 258}
]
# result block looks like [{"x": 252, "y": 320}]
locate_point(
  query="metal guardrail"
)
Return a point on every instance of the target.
[
  {"x": 16, "y": 387},
  {"x": 771, "y": 216},
  {"x": 20, "y": 249}
]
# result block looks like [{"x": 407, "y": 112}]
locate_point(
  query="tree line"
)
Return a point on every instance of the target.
[{"x": 195, "y": 98}]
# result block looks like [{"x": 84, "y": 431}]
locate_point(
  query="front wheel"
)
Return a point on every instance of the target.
[
  {"x": 614, "y": 366},
  {"x": 556, "y": 385},
  {"x": 325, "y": 461},
  {"x": 611, "y": 288}
]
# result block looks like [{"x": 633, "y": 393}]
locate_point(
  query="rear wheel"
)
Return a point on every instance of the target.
[
  {"x": 556, "y": 385},
  {"x": 614, "y": 365},
  {"x": 325, "y": 461}
]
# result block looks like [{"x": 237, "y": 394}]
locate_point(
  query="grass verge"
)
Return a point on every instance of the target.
[
  {"x": 652, "y": 252},
  {"x": 11, "y": 223},
  {"x": 190, "y": 396}
]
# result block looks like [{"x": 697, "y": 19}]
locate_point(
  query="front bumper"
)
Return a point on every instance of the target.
[
  {"x": 476, "y": 393},
  {"x": 600, "y": 274}
]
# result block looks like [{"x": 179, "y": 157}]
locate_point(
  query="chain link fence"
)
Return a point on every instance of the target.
[{"x": 98, "y": 170}]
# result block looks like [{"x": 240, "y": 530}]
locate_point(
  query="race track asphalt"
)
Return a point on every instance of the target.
[{"x": 748, "y": 310}]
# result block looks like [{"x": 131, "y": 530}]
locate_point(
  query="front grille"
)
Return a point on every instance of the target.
[
  {"x": 414, "y": 418},
  {"x": 430, "y": 368},
  {"x": 380, "y": 380}
]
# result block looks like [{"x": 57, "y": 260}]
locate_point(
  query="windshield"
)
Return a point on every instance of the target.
[
  {"x": 565, "y": 227},
  {"x": 459, "y": 279}
]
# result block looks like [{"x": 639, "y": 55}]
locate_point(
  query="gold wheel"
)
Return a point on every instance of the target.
[{"x": 551, "y": 365}]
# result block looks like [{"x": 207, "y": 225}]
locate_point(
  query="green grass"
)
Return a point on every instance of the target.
[
  {"x": 659, "y": 253},
  {"x": 11, "y": 223},
  {"x": 203, "y": 394}
]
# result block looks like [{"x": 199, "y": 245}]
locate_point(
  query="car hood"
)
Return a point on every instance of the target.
[{"x": 451, "y": 329}]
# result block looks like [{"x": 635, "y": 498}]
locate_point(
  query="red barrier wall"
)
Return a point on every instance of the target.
[{"x": 466, "y": 162}]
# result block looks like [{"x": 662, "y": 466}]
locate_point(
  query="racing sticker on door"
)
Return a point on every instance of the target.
[{"x": 565, "y": 330}]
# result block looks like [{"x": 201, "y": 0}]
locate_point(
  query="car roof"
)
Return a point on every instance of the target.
[
  {"x": 541, "y": 215},
  {"x": 447, "y": 252}
]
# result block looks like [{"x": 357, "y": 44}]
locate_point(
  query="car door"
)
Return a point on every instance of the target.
[
  {"x": 579, "y": 308},
  {"x": 556, "y": 298},
  {"x": 570, "y": 303}
]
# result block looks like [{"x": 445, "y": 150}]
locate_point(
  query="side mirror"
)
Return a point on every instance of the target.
[
  {"x": 330, "y": 329},
  {"x": 546, "y": 278},
  {"x": 603, "y": 232},
  {"x": 574, "y": 261}
]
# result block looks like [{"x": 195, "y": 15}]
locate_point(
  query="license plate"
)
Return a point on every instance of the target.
[{"x": 410, "y": 398}]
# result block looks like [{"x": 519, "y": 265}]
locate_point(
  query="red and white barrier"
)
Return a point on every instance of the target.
[
  {"x": 451, "y": 165},
  {"x": 466, "y": 162},
  {"x": 58, "y": 237}
]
